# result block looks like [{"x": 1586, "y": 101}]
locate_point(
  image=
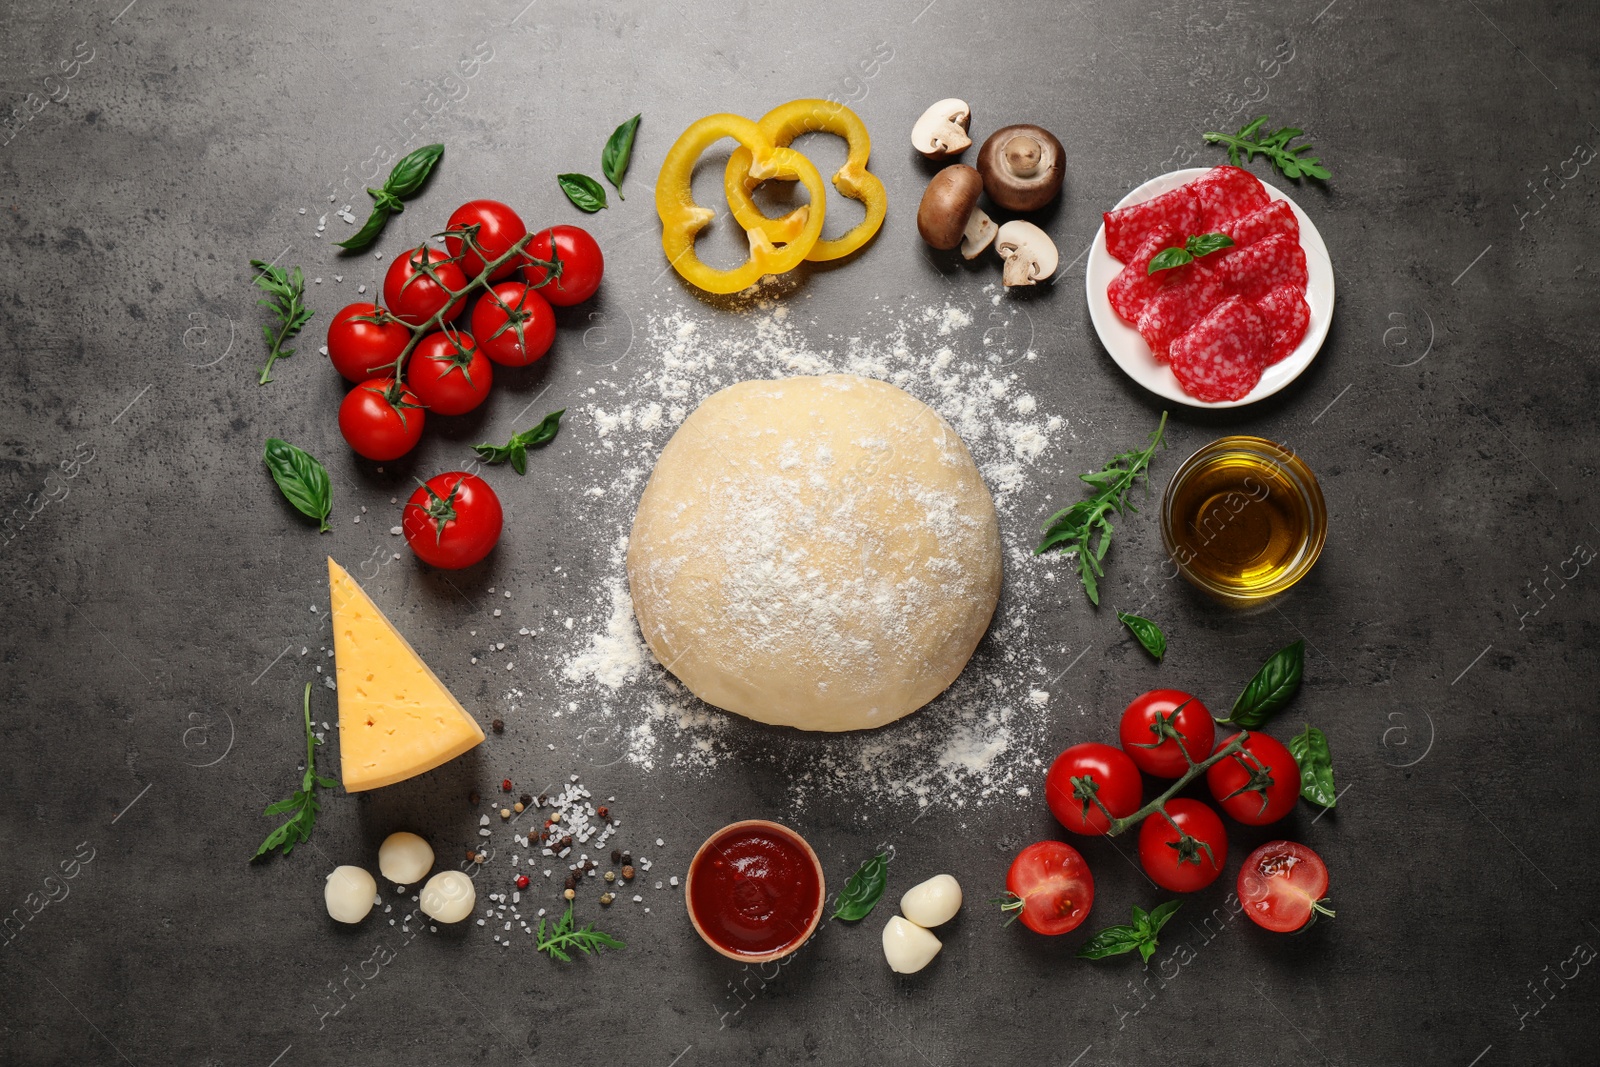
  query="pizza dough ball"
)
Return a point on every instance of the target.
[
  {"x": 404, "y": 858},
  {"x": 448, "y": 897},
  {"x": 816, "y": 552},
  {"x": 349, "y": 893}
]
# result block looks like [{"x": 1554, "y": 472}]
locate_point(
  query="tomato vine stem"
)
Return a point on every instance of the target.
[{"x": 1195, "y": 770}]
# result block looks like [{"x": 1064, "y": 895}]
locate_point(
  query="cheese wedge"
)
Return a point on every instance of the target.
[{"x": 396, "y": 719}]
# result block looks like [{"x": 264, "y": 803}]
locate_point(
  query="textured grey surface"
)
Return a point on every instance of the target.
[{"x": 150, "y": 586}]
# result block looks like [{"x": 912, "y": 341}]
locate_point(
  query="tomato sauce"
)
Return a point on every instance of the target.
[{"x": 755, "y": 889}]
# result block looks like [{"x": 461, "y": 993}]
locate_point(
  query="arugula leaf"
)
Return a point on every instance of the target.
[
  {"x": 1275, "y": 146},
  {"x": 1075, "y": 526},
  {"x": 1148, "y": 633},
  {"x": 516, "y": 449},
  {"x": 1310, "y": 750},
  {"x": 1197, "y": 245},
  {"x": 286, "y": 288},
  {"x": 1141, "y": 934},
  {"x": 303, "y": 802},
  {"x": 1272, "y": 687},
  {"x": 301, "y": 479},
  {"x": 405, "y": 178},
  {"x": 860, "y": 894},
  {"x": 563, "y": 937},
  {"x": 586, "y": 193},
  {"x": 618, "y": 151}
]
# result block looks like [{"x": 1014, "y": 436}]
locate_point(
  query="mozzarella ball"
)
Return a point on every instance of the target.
[
  {"x": 349, "y": 893},
  {"x": 448, "y": 897},
  {"x": 404, "y": 858},
  {"x": 932, "y": 903},
  {"x": 908, "y": 947}
]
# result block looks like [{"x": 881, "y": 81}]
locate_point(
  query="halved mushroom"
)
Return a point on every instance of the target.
[
  {"x": 1029, "y": 253},
  {"x": 1021, "y": 167},
  {"x": 949, "y": 214},
  {"x": 941, "y": 132}
]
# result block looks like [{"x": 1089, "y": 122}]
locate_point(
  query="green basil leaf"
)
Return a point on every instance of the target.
[
  {"x": 1272, "y": 687},
  {"x": 1204, "y": 244},
  {"x": 1168, "y": 258},
  {"x": 543, "y": 433},
  {"x": 1163, "y": 912},
  {"x": 519, "y": 459},
  {"x": 586, "y": 193},
  {"x": 1148, "y": 633},
  {"x": 1310, "y": 750},
  {"x": 1116, "y": 940},
  {"x": 409, "y": 174},
  {"x": 301, "y": 479},
  {"x": 516, "y": 449},
  {"x": 861, "y": 892},
  {"x": 618, "y": 151},
  {"x": 369, "y": 230}
]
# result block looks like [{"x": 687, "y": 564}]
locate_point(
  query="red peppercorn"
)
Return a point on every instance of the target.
[
  {"x": 505, "y": 786},
  {"x": 522, "y": 881}
]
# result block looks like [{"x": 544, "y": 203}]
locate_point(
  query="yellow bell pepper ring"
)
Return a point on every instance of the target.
[
  {"x": 782, "y": 125},
  {"x": 682, "y": 218}
]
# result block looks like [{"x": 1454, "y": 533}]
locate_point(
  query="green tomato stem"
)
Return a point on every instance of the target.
[{"x": 1195, "y": 770}]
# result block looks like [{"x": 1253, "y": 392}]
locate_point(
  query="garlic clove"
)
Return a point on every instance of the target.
[
  {"x": 907, "y": 946},
  {"x": 932, "y": 903}
]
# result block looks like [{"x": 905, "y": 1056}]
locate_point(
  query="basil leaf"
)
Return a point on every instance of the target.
[
  {"x": 516, "y": 449},
  {"x": 1116, "y": 940},
  {"x": 519, "y": 459},
  {"x": 1316, "y": 766},
  {"x": 369, "y": 230},
  {"x": 543, "y": 433},
  {"x": 1168, "y": 258},
  {"x": 301, "y": 479},
  {"x": 861, "y": 892},
  {"x": 586, "y": 193},
  {"x": 409, "y": 174},
  {"x": 1206, "y": 243},
  {"x": 1272, "y": 687},
  {"x": 618, "y": 151},
  {"x": 1148, "y": 633}
]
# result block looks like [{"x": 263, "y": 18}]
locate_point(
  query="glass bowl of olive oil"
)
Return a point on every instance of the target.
[{"x": 1243, "y": 519}]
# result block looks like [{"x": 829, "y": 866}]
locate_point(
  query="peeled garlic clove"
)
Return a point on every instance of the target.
[
  {"x": 908, "y": 947},
  {"x": 932, "y": 903},
  {"x": 448, "y": 897},
  {"x": 349, "y": 893},
  {"x": 404, "y": 858}
]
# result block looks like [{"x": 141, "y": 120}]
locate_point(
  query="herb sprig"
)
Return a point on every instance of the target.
[
  {"x": 1275, "y": 146},
  {"x": 516, "y": 449},
  {"x": 403, "y": 182},
  {"x": 1200, "y": 244},
  {"x": 286, "y": 288},
  {"x": 303, "y": 803},
  {"x": 563, "y": 938},
  {"x": 1141, "y": 934}
]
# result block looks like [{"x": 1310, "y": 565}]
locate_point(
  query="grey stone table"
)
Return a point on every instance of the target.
[{"x": 156, "y": 590}]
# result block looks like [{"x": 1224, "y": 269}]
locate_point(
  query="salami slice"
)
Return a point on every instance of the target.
[
  {"x": 1177, "y": 307},
  {"x": 1277, "y": 217},
  {"x": 1223, "y": 355},
  {"x": 1256, "y": 269},
  {"x": 1133, "y": 288},
  {"x": 1127, "y": 228},
  {"x": 1224, "y": 194},
  {"x": 1287, "y": 315}
]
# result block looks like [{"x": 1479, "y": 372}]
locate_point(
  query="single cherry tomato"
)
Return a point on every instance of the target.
[
  {"x": 364, "y": 339},
  {"x": 381, "y": 419},
  {"x": 497, "y": 229},
  {"x": 1151, "y": 728},
  {"x": 582, "y": 265},
  {"x": 415, "y": 297},
  {"x": 513, "y": 324},
  {"x": 1178, "y": 862},
  {"x": 1111, "y": 777},
  {"x": 453, "y": 520},
  {"x": 1049, "y": 886},
  {"x": 1258, "y": 785},
  {"x": 1284, "y": 886},
  {"x": 449, "y": 373}
]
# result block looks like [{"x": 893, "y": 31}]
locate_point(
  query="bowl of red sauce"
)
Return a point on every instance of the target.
[{"x": 755, "y": 891}]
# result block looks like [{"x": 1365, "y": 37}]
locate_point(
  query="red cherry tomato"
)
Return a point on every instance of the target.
[
  {"x": 1112, "y": 774},
  {"x": 1183, "y": 867},
  {"x": 360, "y": 349},
  {"x": 381, "y": 419},
  {"x": 513, "y": 324},
  {"x": 1283, "y": 886},
  {"x": 453, "y": 520},
  {"x": 1050, "y": 887},
  {"x": 448, "y": 373},
  {"x": 498, "y": 228},
  {"x": 1260, "y": 788},
  {"x": 582, "y": 265},
  {"x": 1148, "y": 726},
  {"x": 415, "y": 297}
]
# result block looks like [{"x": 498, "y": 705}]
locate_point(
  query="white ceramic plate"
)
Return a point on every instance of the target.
[{"x": 1130, "y": 350}]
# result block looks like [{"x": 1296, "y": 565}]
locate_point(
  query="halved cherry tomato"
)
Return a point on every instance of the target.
[
  {"x": 513, "y": 324},
  {"x": 1149, "y": 726},
  {"x": 498, "y": 228},
  {"x": 358, "y": 348},
  {"x": 582, "y": 265},
  {"x": 1258, "y": 788},
  {"x": 1050, "y": 887},
  {"x": 381, "y": 419},
  {"x": 1110, "y": 775},
  {"x": 1179, "y": 864},
  {"x": 1283, "y": 886},
  {"x": 448, "y": 372},
  {"x": 415, "y": 297},
  {"x": 453, "y": 520}
]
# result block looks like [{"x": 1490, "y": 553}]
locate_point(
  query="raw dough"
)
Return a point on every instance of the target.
[{"x": 817, "y": 552}]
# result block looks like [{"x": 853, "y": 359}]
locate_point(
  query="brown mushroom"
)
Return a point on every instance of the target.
[
  {"x": 949, "y": 214},
  {"x": 1021, "y": 167}
]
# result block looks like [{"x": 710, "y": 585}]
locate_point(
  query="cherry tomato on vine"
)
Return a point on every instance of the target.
[
  {"x": 449, "y": 373},
  {"x": 1113, "y": 778},
  {"x": 381, "y": 419},
  {"x": 498, "y": 228},
  {"x": 453, "y": 520},
  {"x": 1049, "y": 888},
  {"x": 1283, "y": 886},
  {"x": 415, "y": 297},
  {"x": 1183, "y": 866},
  {"x": 513, "y": 324},
  {"x": 358, "y": 348},
  {"x": 1148, "y": 728},
  {"x": 582, "y": 265},
  {"x": 1258, "y": 788}
]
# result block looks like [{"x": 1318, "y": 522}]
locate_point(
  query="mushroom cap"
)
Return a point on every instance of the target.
[
  {"x": 941, "y": 131},
  {"x": 1029, "y": 253},
  {"x": 1021, "y": 167},
  {"x": 946, "y": 205}
]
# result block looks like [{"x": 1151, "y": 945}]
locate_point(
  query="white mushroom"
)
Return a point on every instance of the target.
[
  {"x": 1029, "y": 253},
  {"x": 978, "y": 235},
  {"x": 908, "y": 947},
  {"x": 941, "y": 132},
  {"x": 349, "y": 893},
  {"x": 932, "y": 903}
]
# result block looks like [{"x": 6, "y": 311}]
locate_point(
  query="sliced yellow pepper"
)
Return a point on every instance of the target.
[
  {"x": 782, "y": 125},
  {"x": 682, "y": 218}
]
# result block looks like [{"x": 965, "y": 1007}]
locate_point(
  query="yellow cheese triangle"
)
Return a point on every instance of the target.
[{"x": 396, "y": 719}]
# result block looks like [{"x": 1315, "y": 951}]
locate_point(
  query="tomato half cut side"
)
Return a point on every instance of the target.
[
  {"x": 1049, "y": 888},
  {"x": 1283, "y": 886}
]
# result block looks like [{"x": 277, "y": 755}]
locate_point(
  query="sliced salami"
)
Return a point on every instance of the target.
[
  {"x": 1223, "y": 355},
  {"x": 1287, "y": 315},
  {"x": 1177, "y": 307},
  {"x": 1224, "y": 194},
  {"x": 1257, "y": 269},
  {"x": 1128, "y": 228},
  {"x": 1274, "y": 219},
  {"x": 1133, "y": 288}
]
